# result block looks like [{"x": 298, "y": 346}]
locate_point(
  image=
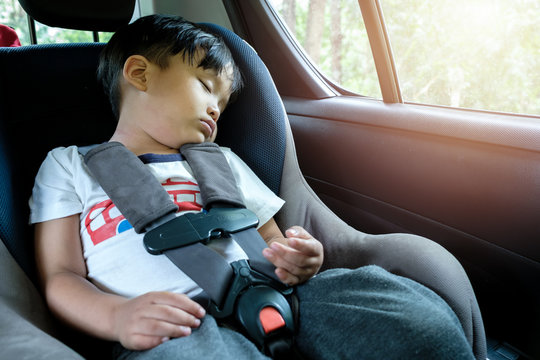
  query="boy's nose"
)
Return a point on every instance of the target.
[{"x": 213, "y": 111}]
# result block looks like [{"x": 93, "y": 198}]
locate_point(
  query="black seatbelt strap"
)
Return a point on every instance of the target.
[{"x": 204, "y": 266}]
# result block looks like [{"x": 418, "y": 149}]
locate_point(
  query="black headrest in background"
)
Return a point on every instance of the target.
[{"x": 94, "y": 15}]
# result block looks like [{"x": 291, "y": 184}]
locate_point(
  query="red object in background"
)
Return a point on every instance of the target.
[{"x": 8, "y": 37}]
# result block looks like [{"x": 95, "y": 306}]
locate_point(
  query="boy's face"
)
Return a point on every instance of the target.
[{"x": 185, "y": 102}]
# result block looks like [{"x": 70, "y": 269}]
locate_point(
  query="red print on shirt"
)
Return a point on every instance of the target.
[{"x": 105, "y": 221}]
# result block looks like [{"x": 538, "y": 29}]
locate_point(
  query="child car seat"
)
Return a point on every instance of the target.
[{"x": 50, "y": 98}]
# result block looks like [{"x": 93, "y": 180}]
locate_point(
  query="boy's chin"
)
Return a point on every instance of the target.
[{"x": 211, "y": 138}]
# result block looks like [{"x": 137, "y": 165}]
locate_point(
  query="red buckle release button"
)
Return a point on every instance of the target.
[{"x": 270, "y": 319}]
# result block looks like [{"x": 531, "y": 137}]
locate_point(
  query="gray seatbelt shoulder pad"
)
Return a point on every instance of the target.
[
  {"x": 129, "y": 184},
  {"x": 213, "y": 173}
]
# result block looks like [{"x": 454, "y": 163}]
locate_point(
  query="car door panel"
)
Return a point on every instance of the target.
[
  {"x": 484, "y": 189},
  {"x": 442, "y": 173}
]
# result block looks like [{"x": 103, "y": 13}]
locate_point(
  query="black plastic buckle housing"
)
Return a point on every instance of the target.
[
  {"x": 249, "y": 293},
  {"x": 244, "y": 279}
]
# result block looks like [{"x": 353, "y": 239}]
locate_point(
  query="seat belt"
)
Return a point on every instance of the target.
[{"x": 247, "y": 290}]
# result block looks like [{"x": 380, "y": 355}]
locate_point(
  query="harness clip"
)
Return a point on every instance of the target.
[{"x": 198, "y": 227}]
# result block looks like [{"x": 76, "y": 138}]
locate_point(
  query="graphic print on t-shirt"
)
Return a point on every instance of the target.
[{"x": 105, "y": 221}]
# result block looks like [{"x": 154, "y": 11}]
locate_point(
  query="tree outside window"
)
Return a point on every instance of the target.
[
  {"x": 333, "y": 35},
  {"x": 474, "y": 54}
]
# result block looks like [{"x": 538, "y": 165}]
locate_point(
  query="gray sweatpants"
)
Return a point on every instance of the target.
[{"x": 366, "y": 313}]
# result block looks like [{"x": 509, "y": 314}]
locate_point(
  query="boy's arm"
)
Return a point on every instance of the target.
[
  {"x": 139, "y": 323},
  {"x": 297, "y": 257}
]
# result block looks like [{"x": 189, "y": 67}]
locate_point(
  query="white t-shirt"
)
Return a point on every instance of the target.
[{"x": 115, "y": 256}]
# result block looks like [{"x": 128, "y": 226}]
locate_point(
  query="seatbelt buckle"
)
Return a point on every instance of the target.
[
  {"x": 191, "y": 228},
  {"x": 259, "y": 305},
  {"x": 266, "y": 315}
]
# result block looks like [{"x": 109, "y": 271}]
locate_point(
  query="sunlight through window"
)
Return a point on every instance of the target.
[{"x": 472, "y": 54}]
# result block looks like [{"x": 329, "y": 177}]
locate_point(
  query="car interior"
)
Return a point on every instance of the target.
[{"x": 372, "y": 179}]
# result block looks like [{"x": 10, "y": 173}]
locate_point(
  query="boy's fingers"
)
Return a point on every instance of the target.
[
  {"x": 286, "y": 277},
  {"x": 299, "y": 232},
  {"x": 161, "y": 328},
  {"x": 300, "y": 267},
  {"x": 143, "y": 342},
  {"x": 143, "y": 322},
  {"x": 172, "y": 315},
  {"x": 304, "y": 253},
  {"x": 179, "y": 301},
  {"x": 280, "y": 255},
  {"x": 297, "y": 257},
  {"x": 151, "y": 333},
  {"x": 301, "y": 240},
  {"x": 309, "y": 247},
  {"x": 289, "y": 258}
]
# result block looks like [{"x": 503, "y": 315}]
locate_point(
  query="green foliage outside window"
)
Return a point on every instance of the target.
[
  {"x": 475, "y": 54},
  {"x": 333, "y": 34}
]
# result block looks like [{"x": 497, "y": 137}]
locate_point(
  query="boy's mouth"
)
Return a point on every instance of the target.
[{"x": 209, "y": 126}]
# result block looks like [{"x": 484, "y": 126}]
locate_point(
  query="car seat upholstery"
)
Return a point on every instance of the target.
[{"x": 50, "y": 97}]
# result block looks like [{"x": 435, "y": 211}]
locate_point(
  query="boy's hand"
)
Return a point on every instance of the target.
[
  {"x": 297, "y": 257},
  {"x": 150, "y": 319}
]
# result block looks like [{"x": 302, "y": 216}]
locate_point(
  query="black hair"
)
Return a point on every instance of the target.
[{"x": 158, "y": 38}]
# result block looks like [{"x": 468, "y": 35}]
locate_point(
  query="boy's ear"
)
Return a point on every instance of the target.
[{"x": 136, "y": 71}]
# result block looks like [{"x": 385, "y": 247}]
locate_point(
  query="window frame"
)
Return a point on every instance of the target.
[{"x": 381, "y": 50}]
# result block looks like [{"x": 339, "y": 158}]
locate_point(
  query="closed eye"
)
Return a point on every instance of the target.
[{"x": 207, "y": 87}]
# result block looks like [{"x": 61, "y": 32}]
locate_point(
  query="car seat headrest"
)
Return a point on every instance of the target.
[{"x": 95, "y": 15}]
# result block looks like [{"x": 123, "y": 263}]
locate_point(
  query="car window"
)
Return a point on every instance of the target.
[
  {"x": 47, "y": 35},
  {"x": 13, "y": 15},
  {"x": 333, "y": 35},
  {"x": 480, "y": 54}
]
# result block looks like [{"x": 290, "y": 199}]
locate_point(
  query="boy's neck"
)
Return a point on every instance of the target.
[{"x": 139, "y": 144}]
